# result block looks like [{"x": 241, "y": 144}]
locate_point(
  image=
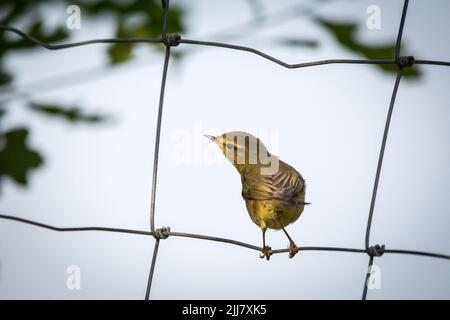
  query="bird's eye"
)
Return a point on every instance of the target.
[{"x": 229, "y": 146}]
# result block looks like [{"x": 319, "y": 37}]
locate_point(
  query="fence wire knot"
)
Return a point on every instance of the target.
[
  {"x": 405, "y": 61},
  {"x": 376, "y": 250},
  {"x": 172, "y": 40},
  {"x": 162, "y": 233}
]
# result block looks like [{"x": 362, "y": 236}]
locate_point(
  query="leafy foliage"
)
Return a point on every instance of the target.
[
  {"x": 16, "y": 158},
  {"x": 72, "y": 114},
  {"x": 133, "y": 19},
  {"x": 345, "y": 34},
  {"x": 297, "y": 42}
]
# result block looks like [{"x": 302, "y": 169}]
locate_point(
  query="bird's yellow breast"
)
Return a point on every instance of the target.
[{"x": 265, "y": 213}]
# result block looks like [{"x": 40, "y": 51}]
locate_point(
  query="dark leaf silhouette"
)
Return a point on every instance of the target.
[
  {"x": 135, "y": 19},
  {"x": 345, "y": 33},
  {"x": 297, "y": 42},
  {"x": 72, "y": 114},
  {"x": 5, "y": 77},
  {"x": 16, "y": 159},
  {"x": 35, "y": 30}
]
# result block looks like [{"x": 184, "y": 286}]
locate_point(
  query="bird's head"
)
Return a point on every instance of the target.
[{"x": 242, "y": 149}]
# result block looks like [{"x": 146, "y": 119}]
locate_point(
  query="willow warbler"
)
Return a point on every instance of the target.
[{"x": 273, "y": 191}]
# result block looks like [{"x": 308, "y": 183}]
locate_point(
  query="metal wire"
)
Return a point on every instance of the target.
[
  {"x": 72, "y": 229},
  {"x": 220, "y": 45},
  {"x": 282, "y": 63},
  {"x": 81, "y": 43},
  {"x": 433, "y": 62},
  {"x": 383, "y": 147},
  {"x": 216, "y": 239},
  {"x": 174, "y": 40},
  {"x": 152, "y": 270},
  {"x": 380, "y": 159},
  {"x": 157, "y": 139},
  {"x": 400, "y": 29},
  {"x": 366, "y": 286}
]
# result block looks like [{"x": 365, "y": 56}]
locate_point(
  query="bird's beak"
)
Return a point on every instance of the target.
[{"x": 210, "y": 137}]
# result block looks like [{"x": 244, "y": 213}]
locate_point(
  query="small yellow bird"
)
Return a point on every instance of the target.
[{"x": 274, "y": 192}]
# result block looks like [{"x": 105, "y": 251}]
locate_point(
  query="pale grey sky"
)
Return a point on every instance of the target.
[{"x": 329, "y": 120}]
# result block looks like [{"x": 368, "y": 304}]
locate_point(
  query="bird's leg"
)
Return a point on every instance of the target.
[
  {"x": 266, "y": 250},
  {"x": 293, "y": 249}
]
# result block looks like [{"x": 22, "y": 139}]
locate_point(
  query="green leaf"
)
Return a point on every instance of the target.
[
  {"x": 16, "y": 159},
  {"x": 36, "y": 30},
  {"x": 298, "y": 42},
  {"x": 5, "y": 77},
  {"x": 149, "y": 14},
  {"x": 18, "y": 43},
  {"x": 345, "y": 34},
  {"x": 120, "y": 53},
  {"x": 72, "y": 114}
]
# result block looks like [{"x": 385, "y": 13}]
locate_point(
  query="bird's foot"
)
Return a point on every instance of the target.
[
  {"x": 266, "y": 253},
  {"x": 293, "y": 249}
]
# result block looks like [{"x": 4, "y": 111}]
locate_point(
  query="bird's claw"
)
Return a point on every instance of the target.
[
  {"x": 266, "y": 253},
  {"x": 293, "y": 249}
]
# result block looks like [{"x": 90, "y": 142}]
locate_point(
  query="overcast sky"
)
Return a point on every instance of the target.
[{"x": 325, "y": 121}]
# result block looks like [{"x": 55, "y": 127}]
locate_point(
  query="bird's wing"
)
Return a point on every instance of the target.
[{"x": 284, "y": 185}]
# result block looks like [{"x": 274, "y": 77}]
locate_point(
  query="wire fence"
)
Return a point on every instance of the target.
[{"x": 170, "y": 40}]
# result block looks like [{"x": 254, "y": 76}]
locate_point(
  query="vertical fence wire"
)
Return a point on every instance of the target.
[
  {"x": 152, "y": 270},
  {"x": 165, "y": 4},
  {"x": 157, "y": 140},
  {"x": 160, "y": 110},
  {"x": 366, "y": 281},
  {"x": 374, "y": 252}
]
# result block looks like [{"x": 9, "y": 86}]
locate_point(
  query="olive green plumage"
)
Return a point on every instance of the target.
[{"x": 274, "y": 192}]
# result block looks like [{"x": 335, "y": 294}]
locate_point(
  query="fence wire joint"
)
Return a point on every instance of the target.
[
  {"x": 172, "y": 40},
  {"x": 162, "y": 233},
  {"x": 405, "y": 61},
  {"x": 376, "y": 250}
]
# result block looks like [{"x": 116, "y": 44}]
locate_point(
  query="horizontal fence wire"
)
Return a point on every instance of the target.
[
  {"x": 220, "y": 45},
  {"x": 169, "y": 40},
  {"x": 216, "y": 239}
]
